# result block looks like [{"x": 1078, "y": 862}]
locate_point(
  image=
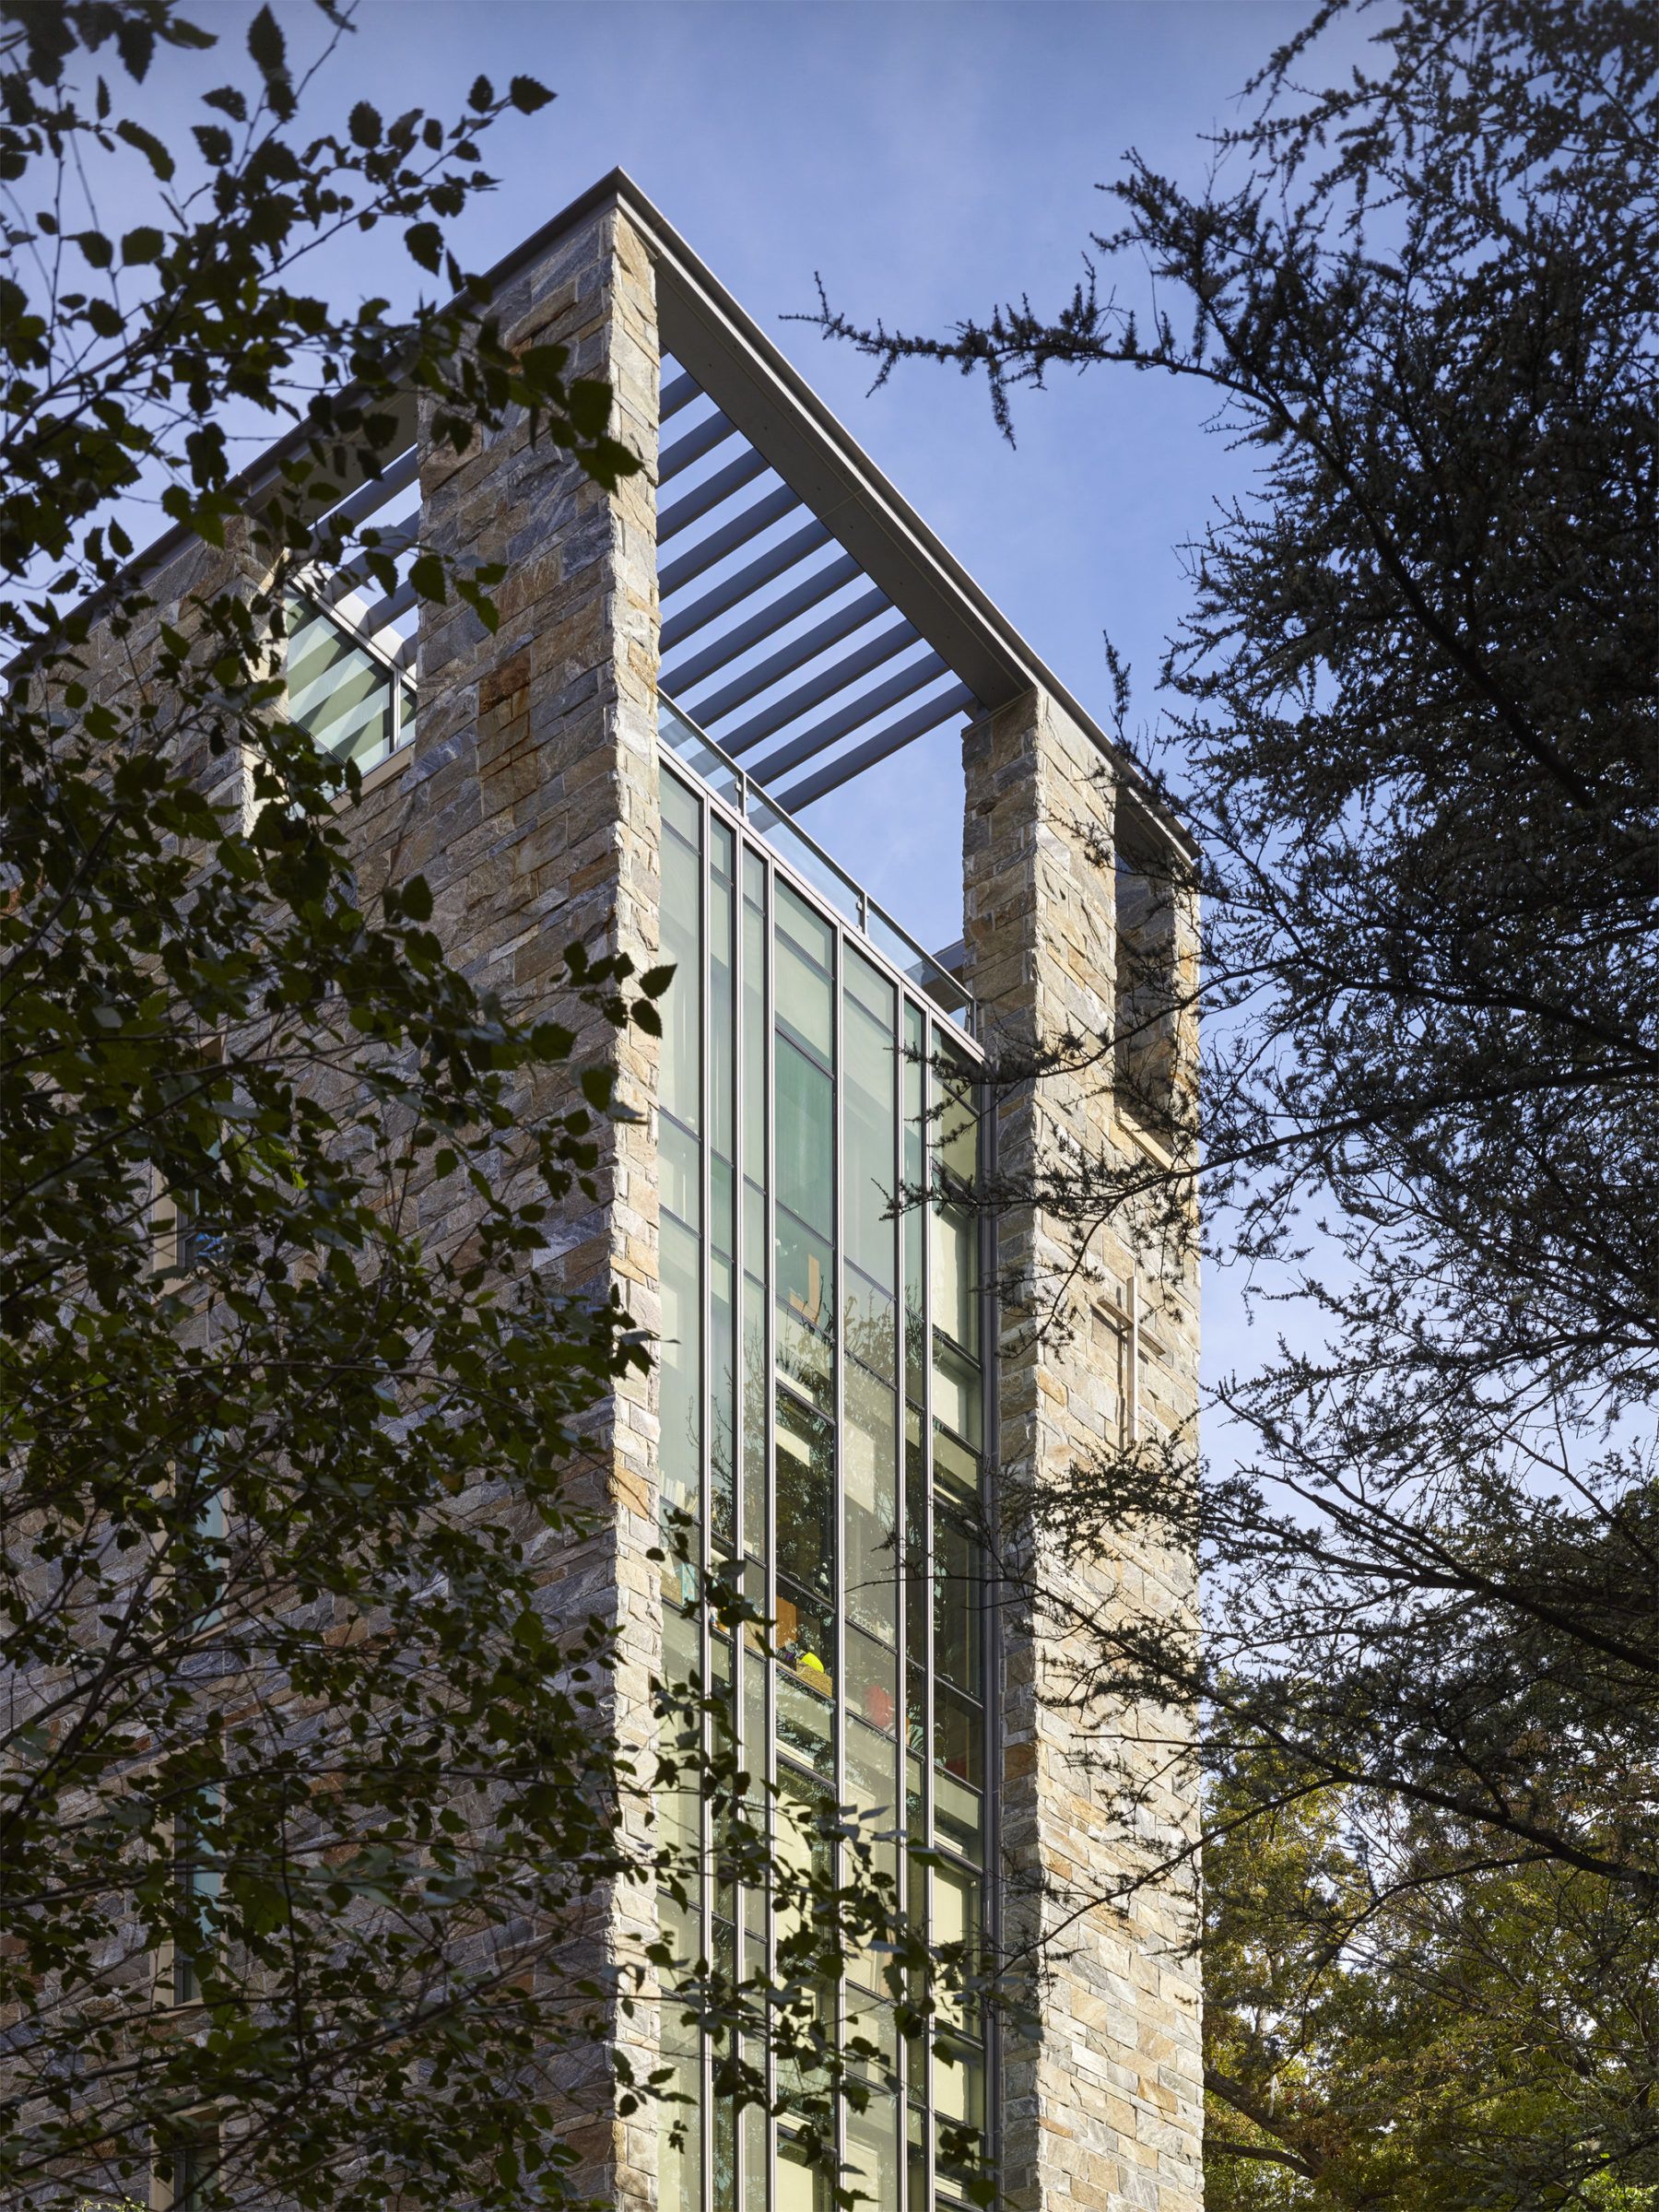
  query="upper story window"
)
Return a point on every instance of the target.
[{"x": 350, "y": 698}]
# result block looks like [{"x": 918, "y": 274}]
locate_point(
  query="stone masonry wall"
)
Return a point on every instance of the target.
[
  {"x": 529, "y": 802},
  {"x": 1102, "y": 2106}
]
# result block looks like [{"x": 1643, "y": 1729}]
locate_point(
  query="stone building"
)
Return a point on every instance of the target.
[{"x": 682, "y": 667}]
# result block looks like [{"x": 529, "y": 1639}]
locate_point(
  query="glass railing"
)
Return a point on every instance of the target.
[{"x": 808, "y": 859}]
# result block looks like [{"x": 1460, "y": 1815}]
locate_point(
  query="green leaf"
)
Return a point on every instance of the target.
[
  {"x": 426, "y": 573},
  {"x": 95, "y": 246},
  {"x": 416, "y": 898},
  {"x": 364, "y": 124},
  {"x": 144, "y": 244},
  {"x": 482, "y": 95},
  {"x": 655, "y": 980},
  {"x": 425, "y": 241},
  {"x": 526, "y": 95},
  {"x": 267, "y": 48},
  {"x": 148, "y": 145}
]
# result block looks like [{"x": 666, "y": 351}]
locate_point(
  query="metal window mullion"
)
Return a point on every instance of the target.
[
  {"x": 768, "y": 1303},
  {"x": 901, "y": 1866},
  {"x": 929, "y": 2123},
  {"x": 837, "y": 1263},
  {"x": 704, "y": 1465},
  {"x": 990, "y": 1415}
]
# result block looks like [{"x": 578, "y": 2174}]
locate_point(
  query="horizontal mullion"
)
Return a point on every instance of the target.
[
  {"x": 719, "y": 486},
  {"x": 795, "y": 654},
  {"x": 728, "y": 537},
  {"x": 890, "y": 740},
  {"x": 881, "y": 647},
  {"x": 775, "y": 562},
  {"x": 849, "y": 718},
  {"x": 714, "y": 430},
  {"x": 678, "y": 393}
]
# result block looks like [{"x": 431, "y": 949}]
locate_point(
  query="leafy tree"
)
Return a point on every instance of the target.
[
  {"x": 1412, "y": 716},
  {"x": 305, "y": 1793},
  {"x": 1381, "y": 2032}
]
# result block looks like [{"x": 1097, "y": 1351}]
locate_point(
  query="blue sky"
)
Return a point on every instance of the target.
[{"x": 926, "y": 157}]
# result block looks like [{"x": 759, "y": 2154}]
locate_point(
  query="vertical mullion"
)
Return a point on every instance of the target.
[
  {"x": 991, "y": 1612},
  {"x": 929, "y": 2128},
  {"x": 902, "y": 1863},
  {"x": 705, "y": 1442},
  {"x": 838, "y": 1268},
  {"x": 768, "y": 1302},
  {"x": 740, "y": 1654}
]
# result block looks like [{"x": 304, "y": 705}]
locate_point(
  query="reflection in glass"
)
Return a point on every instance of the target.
[
  {"x": 792, "y": 1056},
  {"x": 348, "y": 700}
]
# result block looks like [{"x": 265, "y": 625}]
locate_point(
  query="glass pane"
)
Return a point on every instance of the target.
[
  {"x": 723, "y": 1011},
  {"x": 806, "y": 1310},
  {"x": 958, "y": 1817},
  {"x": 679, "y": 1810},
  {"x": 956, "y": 1924},
  {"x": 340, "y": 695},
  {"x": 871, "y": 1485},
  {"x": 755, "y": 1122},
  {"x": 956, "y": 1275},
  {"x": 679, "y": 1082},
  {"x": 682, "y": 810},
  {"x": 958, "y": 1568},
  {"x": 800, "y": 2187},
  {"x": 754, "y": 1418},
  {"x": 918, "y": 1608},
  {"x": 915, "y": 1219},
  {"x": 957, "y": 1392},
  {"x": 871, "y": 1668},
  {"x": 805, "y": 1505},
  {"x": 959, "y": 1737},
  {"x": 806, "y": 1139},
  {"x": 679, "y": 1171},
  {"x": 805, "y": 962},
  {"x": 680, "y": 1365},
  {"x": 754, "y": 1021},
  {"x": 873, "y": 2151},
  {"x": 723, "y": 1386},
  {"x": 958, "y": 1134},
  {"x": 685, "y": 739},
  {"x": 872, "y": 1168}
]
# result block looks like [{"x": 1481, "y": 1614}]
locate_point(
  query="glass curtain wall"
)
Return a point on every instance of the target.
[{"x": 822, "y": 1400}]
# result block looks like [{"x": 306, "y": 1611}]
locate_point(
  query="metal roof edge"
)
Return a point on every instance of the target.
[
  {"x": 811, "y": 449},
  {"x": 772, "y": 403}
]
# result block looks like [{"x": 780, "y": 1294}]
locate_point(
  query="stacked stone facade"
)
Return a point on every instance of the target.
[
  {"x": 529, "y": 803},
  {"x": 1102, "y": 2101}
]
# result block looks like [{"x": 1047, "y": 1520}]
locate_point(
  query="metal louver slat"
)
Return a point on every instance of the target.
[
  {"x": 882, "y": 647},
  {"x": 396, "y": 476},
  {"x": 388, "y": 609},
  {"x": 678, "y": 393},
  {"x": 890, "y": 740},
  {"x": 696, "y": 442},
  {"x": 719, "y": 486},
  {"x": 849, "y": 718},
  {"x": 795, "y": 654},
  {"x": 775, "y": 562},
  {"x": 727, "y": 539}
]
